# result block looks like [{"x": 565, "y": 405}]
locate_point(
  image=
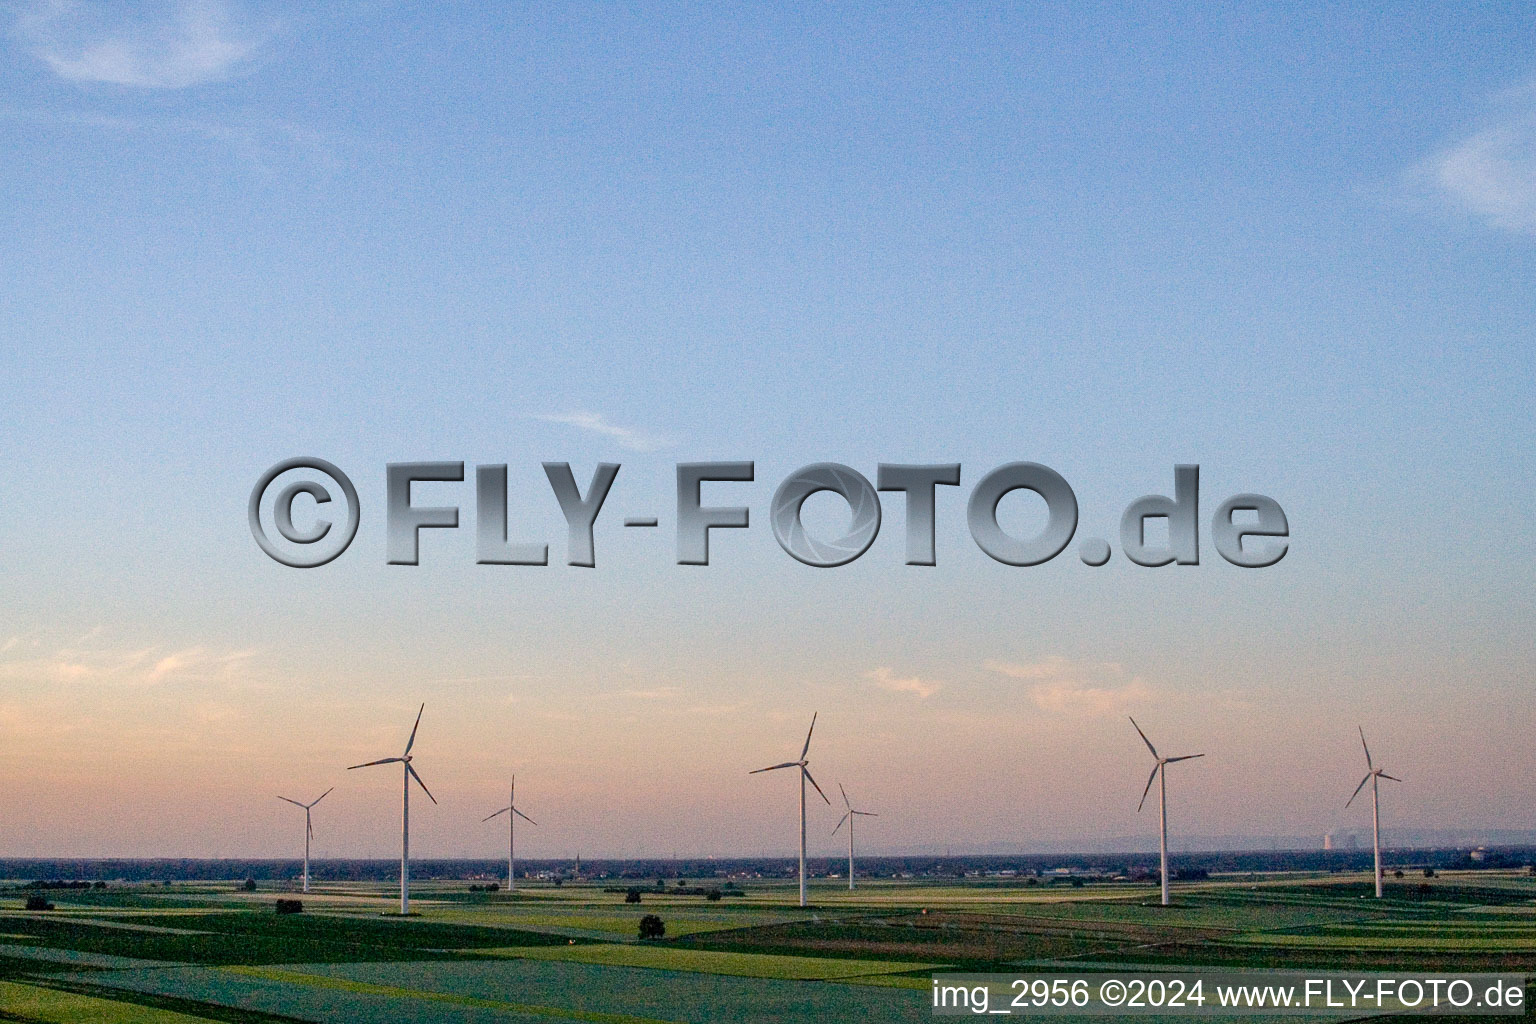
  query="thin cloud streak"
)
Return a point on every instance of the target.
[
  {"x": 118, "y": 666},
  {"x": 594, "y": 423},
  {"x": 158, "y": 46},
  {"x": 1491, "y": 173},
  {"x": 1080, "y": 689},
  {"x": 884, "y": 678}
]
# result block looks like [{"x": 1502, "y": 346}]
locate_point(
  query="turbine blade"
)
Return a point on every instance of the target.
[
  {"x": 384, "y": 760},
  {"x": 1367, "y": 749},
  {"x": 775, "y": 767},
  {"x": 423, "y": 785},
  {"x": 1143, "y": 737},
  {"x": 1185, "y": 757},
  {"x": 1357, "y": 791},
  {"x": 807, "y": 772},
  {"x": 867, "y": 814},
  {"x": 1149, "y": 786},
  {"x": 525, "y": 817},
  {"x": 498, "y": 814},
  {"x": 843, "y": 791},
  {"x": 840, "y": 822},
  {"x": 322, "y": 796},
  {"x": 410, "y": 742},
  {"x": 1394, "y": 778},
  {"x": 287, "y": 801},
  {"x": 806, "y": 749}
]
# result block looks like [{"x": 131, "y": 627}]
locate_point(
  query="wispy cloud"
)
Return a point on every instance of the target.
[
  {"x": 1080, "y": 688},
  {"x": 654, "y": 693},
  {"x": 594, "y": 423},
  {"x": 123, "y": 666},
  {"x": 884, "y": 678},
  {"x": 1490, "y": 174},
  {"x": 171, "y": 44}
]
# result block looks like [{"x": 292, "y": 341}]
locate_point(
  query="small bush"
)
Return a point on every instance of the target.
[
  {"x": 651, "y": 927},
  {"x": 1429, "y": 872},
  {"x": 290, "y": 906},
  {"x": 1398, "y": 873},
  {"x": 713, "y": 895},
  {"x": 632, "y": 896},
  {"x": 250, "y": 885},
  {"x": 38, "y": 903}
]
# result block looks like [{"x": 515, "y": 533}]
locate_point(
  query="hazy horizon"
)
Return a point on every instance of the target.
[{"x": 1294, "y": 246}]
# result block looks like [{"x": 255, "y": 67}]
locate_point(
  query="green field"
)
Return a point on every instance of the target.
[{"x": 209, "y": 952}]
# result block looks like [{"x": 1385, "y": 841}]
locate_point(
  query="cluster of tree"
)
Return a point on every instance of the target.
[
  {"x": 632, "y": 894},
  {"x": 490, "y": 887},
  {"x": 38, "y": 903},
  {"x": 57, "y": 884},
  {"x": 290, "y": 906}
]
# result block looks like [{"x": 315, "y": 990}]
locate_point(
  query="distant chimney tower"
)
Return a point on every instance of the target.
[{"x": 1328, "y": 841}]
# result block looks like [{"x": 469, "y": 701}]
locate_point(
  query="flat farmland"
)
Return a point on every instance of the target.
[{"x": 216, "y": 953}]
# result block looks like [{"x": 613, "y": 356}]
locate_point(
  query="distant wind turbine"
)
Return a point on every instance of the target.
[
  {"x": 405, "y": 810},
  {"x": 309, "y": 830},
  {"x": 1374, "y": 776},
  {"x": 1159, "y": 772},
  {"x": 513, "y": 814},
  {"x": 804, "y": 775},
  {"x": 849, "y": 819}
]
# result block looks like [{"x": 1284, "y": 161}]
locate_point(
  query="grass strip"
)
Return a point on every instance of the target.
[
  {"x": 394, "y": 992},
  {"x": 708, "y": 961},
  {"x": 51, "y": 1006}
]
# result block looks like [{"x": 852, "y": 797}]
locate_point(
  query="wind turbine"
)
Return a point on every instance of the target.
[
  {"x": 512, "y": 814},
  {"x": 309, "y": 830},
  {"x": 849, "y": 819},
  {"x": 405, "y": 810},
  {"x": 1159, "y": 772},
  {"x": 804, "y": 775},
  {"x": 1374, "y": 776}
]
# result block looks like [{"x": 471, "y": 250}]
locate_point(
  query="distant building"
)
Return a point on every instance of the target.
[{"x": 1328, "y": 840}]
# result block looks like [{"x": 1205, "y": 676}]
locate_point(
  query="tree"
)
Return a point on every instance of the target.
[
  {"x": 1398, "y": 873},
  {"x": 651, "y": 927},
  {"x": 250, "y": 885},
  {"x": 1429, "y": 872},
  {"x": 290, "y": 906},
  {"x": 632, "y": 896},
  {"x": 713, "y": 895},
  {"x": 41, "y": 903}
]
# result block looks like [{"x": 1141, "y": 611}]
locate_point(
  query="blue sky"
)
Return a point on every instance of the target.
[{"x": 1293, "y": 244}]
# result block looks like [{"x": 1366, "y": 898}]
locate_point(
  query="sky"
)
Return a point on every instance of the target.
[{"x": 1293, "y": 244}]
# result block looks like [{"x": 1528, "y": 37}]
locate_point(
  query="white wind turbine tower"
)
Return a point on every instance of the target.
[
  {"x": 1374, "y": 776},
  {"x": 309, "y": 830},
  {"x": 405, "y": 810},
  {"x": 804, "y": 775},
  {"x": 849, "y": 819},
  {"x": 1159, "y": 772},
  {"x": 512, "y": 814}
]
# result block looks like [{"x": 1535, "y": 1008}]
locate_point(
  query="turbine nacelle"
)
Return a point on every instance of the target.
[
  {"x": 1161, "y": 763},
  {"x": 1372, "y": 772}
]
